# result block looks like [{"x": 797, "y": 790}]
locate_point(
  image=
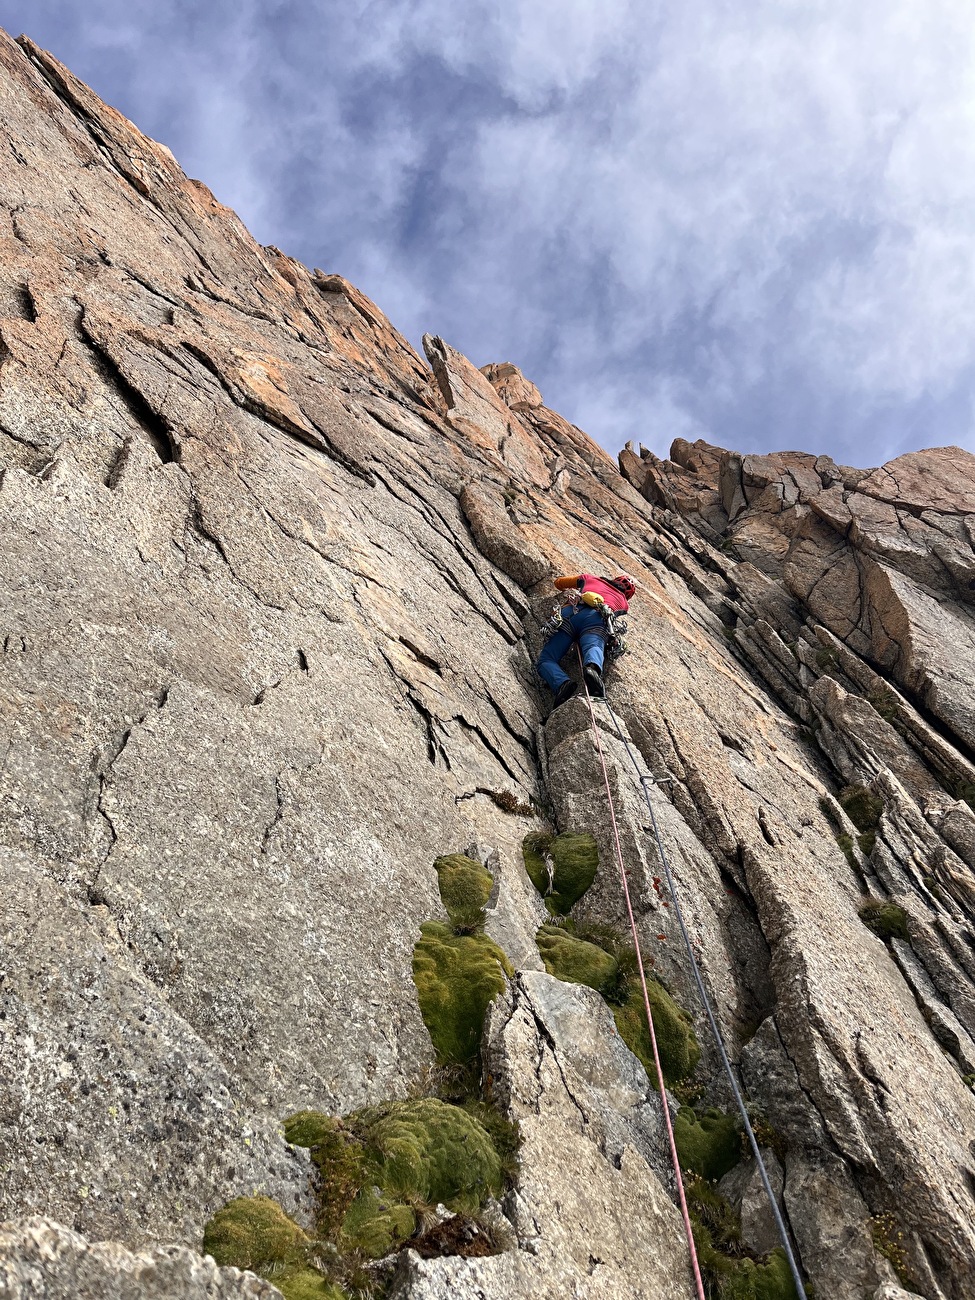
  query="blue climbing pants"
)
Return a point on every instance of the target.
[{"x": 580, "y": 623}]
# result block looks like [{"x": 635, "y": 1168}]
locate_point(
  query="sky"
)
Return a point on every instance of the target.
[{"x": 750, "y": 221}]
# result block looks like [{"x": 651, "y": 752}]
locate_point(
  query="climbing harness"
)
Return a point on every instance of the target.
[
  {"x": 613, "y": 630},
  {"x": 645, "y": 781}
]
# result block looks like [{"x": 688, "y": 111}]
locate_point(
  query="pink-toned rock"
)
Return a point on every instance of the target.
[
  {"x": 940, "y": 478},
  {"x": 511, "y": 386}
]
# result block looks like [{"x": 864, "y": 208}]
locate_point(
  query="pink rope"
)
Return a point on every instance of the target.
[{"x": 695, "y": 1266}]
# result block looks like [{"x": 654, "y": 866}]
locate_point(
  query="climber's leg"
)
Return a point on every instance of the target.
[
  {"x": 549, "y": 667},
  {"x": 592, "y": 642}
]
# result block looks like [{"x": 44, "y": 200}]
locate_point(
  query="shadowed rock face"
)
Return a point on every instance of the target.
[{"x": 270, "y": 586}]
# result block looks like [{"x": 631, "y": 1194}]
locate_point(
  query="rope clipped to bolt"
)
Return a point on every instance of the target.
[{"x": 646, "y": 781}]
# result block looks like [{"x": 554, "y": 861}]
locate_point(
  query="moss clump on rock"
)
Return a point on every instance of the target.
[
  {"x": 465, "y": 887},
  {"x": 456, "y": 978},
  {"x": 862, "y": 806},
  {"x": 710, "y": 1145},
  {"x": 504, "y": 1133},
  {"x": 605, "y": 962},
  {"x": 755, "y": 1281},
  {"x": 380, "y": 1165},
  {"x": 676, "y": 1040},
  {"x": 307, "y": 1284},
  {"x": 374, "y": 1226},
  {"x": 727, "y": 1273},
  {"x": 561, "y": 867},
  {"x": 886, "y": 920},
  {"x": 574, "y": 960},
  {"x": 426, "y": 1152},
  {"x": 254, "y": 1232}
]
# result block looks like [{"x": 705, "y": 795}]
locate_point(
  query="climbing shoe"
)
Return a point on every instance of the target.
[
  {"x": 594, "y": 680},
  {"x": 565, "y": 692}
]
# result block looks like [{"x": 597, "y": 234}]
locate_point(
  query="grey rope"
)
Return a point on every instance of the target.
[{"x": 646, "y": 781}]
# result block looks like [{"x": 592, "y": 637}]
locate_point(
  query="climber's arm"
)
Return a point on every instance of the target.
[{"x": 563, "y": 584}]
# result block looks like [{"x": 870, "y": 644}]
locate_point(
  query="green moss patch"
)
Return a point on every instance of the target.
[
  {"x": 846, "y": 844},
  {"x": 378, "y": 1166},
  {"x": 456, "y": 978},
  {"x": 769, "y": 1281},
  {"x": 885, "y": 702},
  {"x": 504, "y": 1133},
  {"x": 427, "y": 1152},
  {"x": 254, "y": 1232},
  {"x": 676, "y": 1040},
  {"x": 575, "y": 960},
  {"x": 710, "y": 1145},
  {"x": 886, "y": 920},
  {"x": 600, "y": 958},
  {"x": 561, "y": 867},
  {"x": 862, "y": 806},
  {"x": 339, "y": 1157},
  {"x": 727, "y": 1271},
  {"x": 465, "y": 887},
  {"x": 374, "y": 1226},
  {"x": 306, "y": 1284}
]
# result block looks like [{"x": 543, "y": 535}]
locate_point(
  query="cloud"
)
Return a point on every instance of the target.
[{"x": 752, "y": 222}]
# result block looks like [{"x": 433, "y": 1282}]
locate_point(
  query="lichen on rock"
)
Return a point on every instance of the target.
[{"x": 561, "y": 867}]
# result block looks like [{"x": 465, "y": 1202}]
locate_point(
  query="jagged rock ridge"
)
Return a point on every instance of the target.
[{"x": 270, "y": 592}]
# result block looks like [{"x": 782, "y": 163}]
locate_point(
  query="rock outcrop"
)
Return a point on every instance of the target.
[{"x": 271, "y": 586}]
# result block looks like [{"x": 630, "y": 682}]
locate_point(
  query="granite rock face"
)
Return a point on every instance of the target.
[
  {"x": 271, "y": 585},
  {"x": 40, "y": 1260}
]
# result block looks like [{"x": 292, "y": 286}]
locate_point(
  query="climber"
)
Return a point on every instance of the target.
[{"x": 593, "y": 604}]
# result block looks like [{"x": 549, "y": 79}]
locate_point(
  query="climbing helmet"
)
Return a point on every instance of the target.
[{"x": 625, "y": 584}]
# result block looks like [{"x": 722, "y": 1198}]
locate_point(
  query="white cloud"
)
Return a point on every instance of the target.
[{"x": 756, "y": 219}]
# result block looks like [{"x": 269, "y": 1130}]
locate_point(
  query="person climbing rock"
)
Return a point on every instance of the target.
[{"x": 592, "y": 607}]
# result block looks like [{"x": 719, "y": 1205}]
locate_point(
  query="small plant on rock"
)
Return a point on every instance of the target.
[
  {"x": 885, "y": 702},
  {"x": 827, "y": 658},
  {"x": 886, "y": 920},
  {"x": 864, "y": 810}
]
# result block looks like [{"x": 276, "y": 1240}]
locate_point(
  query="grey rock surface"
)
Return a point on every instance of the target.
[
  {"x": 40, "y": 1260},
  {"x": 270, "y": 588}
]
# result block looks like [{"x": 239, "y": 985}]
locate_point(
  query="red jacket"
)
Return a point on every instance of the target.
[{"x": 613, "y": 597}]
